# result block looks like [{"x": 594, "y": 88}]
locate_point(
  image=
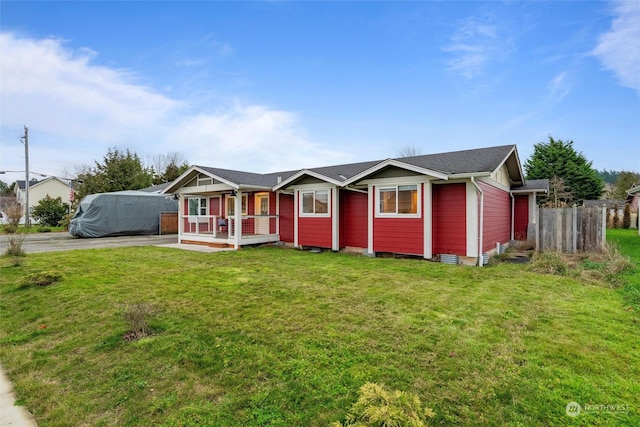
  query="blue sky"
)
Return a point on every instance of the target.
[{"x": 265, "y": 86}]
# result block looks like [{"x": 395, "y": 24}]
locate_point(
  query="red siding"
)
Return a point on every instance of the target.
[
  {"x": 214, "y": 206},
  {"x": 314, "y": 232},
  {"x": 449, "y": 221},
  {"x": 286, "y": 218},
  {"x": 272, "y": 211},
  {"x": 399, "y": 235},
  {"x": 353, "y": 219},
  {"x": 521, "y": 217},
  {"x": 497, "y": 216}
]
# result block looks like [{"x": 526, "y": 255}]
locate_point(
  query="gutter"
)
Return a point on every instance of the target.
[
  {"x": 357, "y": 190},
  {"x": 481, "y": 226}
]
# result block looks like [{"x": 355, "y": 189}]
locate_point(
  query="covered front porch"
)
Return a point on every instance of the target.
[
  {"x": 223, "y": 208},
  {"x": 223, "y": 231}
]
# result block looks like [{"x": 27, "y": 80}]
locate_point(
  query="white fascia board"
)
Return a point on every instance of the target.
[
  {"x": 513, "y": 151},
  {"x": 530, "y": 190},
  {"x": 494, "y": 183},
  {"x": 254, "y": 187},
  {"x": 203, "y": 189},
  {"x": 396, "y": 163},
  {"x": 469, "y": 175},
  {"x": 188, "y": 174},
  {"x": 308, "y": 172},
  {"x": 397, "y": 180},
  {"x": 634, "y": 190}
]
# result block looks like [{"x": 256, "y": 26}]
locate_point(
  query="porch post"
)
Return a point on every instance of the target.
[
  {"x": 278, "y": 214},
  {"x": 428, "y": 234},
  {"x": 370, "y": 207},
  {"x": 335, "y": 219},
  {"x": 180, "y": 219},
  {"x": 295, "y": 218},
  {"x": 237, "y": 215}
]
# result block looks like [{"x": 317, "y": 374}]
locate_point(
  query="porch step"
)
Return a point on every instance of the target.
[{"x": 209, "y": 244}]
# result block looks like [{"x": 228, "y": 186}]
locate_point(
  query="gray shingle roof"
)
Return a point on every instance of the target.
[
  {"x": 248, "y": 178},
  {"x": 466, "y": 161},
  {"x": 533, "y": 184}
]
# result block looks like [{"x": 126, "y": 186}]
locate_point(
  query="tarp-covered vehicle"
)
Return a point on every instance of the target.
[{"x": 121, "y": 213}]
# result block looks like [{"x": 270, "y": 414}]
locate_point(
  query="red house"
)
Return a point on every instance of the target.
[{"x": 460, "y": 203}]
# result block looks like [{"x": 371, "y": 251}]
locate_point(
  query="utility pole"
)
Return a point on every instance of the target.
[{"x": 25, "y": 139}]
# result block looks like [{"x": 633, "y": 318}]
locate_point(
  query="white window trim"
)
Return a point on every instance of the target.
[
  {"x": 418, "y": 214},
  {"x": 314, "y": 215},
  {"x": 199, "y": 209},
  {"x": 245, "y": 201}
]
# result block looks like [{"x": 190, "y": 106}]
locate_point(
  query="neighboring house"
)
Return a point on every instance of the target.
[
  {"x": 38, "y": 190},
  {"x": 633, "y": 197},
  {"x": 462, "y": 203}
]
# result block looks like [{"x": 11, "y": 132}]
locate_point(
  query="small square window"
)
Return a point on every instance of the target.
[{"x": 315, "y": 202}]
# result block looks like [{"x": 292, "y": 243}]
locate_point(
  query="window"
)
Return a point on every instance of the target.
[
  {"x": 315, "y": 202},
  {"x": 231, "y": 205},
  {"x": 197, "y": 206},
  {"x": 398, "y": 200}
]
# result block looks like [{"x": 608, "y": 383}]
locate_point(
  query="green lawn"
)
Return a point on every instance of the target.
[{"x": 286, "y": 338}]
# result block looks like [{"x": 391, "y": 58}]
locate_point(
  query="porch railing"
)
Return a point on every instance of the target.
[{"x": 215, "y": 226}]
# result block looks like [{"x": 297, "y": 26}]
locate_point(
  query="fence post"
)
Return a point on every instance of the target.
[
  {"x": 574, "y": 234},
  {"x": 539, "y": 229},
  {"x": 603, "y": 242}
]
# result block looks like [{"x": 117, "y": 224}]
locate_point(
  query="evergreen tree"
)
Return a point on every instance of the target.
[
  {"x": 624, "y": 182},
  {"x": 120, "y": 170},
  {"x": 558, "y": 158},
  {"x": 626, "y": 216}
]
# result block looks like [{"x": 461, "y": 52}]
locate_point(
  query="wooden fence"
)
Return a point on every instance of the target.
[
  {"x": 571, "y": 230},
  {"x": 168, "y": 223}
]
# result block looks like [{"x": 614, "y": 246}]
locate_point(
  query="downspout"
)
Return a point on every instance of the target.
[
  {"x": 513, "y": 214},
  {"x": 481, "y": 225}
]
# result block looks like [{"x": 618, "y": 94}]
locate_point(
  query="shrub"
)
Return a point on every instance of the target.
[
  {"x": 14, "y": 244},
  {"x": 616, "y": 218},
  {"x": 380, "y": 407},
  {"x": 14, "y": 213},
  {"x": 549, "y": 262},
  {"x": 50, "y": 211},
  {"x": 43, "y": 278},
  {"x": 136, "y": 315},
  {"x": 626, "y": 216}
]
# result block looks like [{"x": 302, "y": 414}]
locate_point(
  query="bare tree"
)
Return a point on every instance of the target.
[{"x": 409, "y": 151}]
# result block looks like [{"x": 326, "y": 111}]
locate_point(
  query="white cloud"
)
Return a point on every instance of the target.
[
  {"x": 76, "y": 109},
  {"x": 253, "y": 138},
  {"x": 559, "y": 87},
  {"x": 473, "y": 45},
  {"x": 619, "y": 48}
]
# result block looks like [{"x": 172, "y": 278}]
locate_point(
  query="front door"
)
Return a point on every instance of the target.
[{"x": 262, "y": 213}]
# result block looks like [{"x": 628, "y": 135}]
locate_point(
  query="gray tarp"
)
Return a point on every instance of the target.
[{"x": 121, "y": 213}]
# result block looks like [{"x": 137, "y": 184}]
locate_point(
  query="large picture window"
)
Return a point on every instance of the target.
[
  {"x": 398, "y": 200},
  {"x": 315, "y": 202},
  {"x": 231, "y": 205}
]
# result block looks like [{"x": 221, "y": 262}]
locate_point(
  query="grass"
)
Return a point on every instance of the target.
[
  {"x": 286, "y": 338},
  {"x": 35, "y": 228},
  {"x": 628, "y": 242}
]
